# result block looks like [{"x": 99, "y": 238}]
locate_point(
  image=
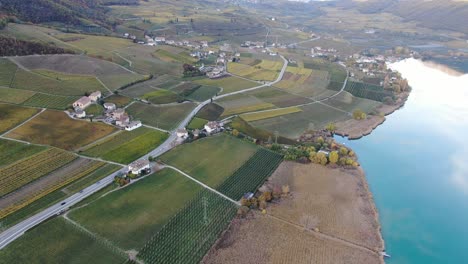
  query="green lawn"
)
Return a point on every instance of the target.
[
  {"x": 165, "y": 117},
  {"x": 12, "y": 115},
  {"x": 11, "y": 151},
  {"x": 210, "y": 160},
  {"x": 197, "y": 123},
  {"x": 57, "y": 241},
  {"x": 130, "y": 216},
  {"x": 161, "y": 97},
  {"x": 204, "y": 93},
  {"x": 14, "y": 96},
  {"x": 127, "y": 146}
]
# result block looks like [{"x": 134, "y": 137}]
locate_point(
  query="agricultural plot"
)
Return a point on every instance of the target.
[
  {"x": 228, "y": 153},
  {"x": 259, "y": 72},
  {"x": 161, "y": 97},
  {"x": 14, "y": 96},
  {"x": 190, "y": 233},
  {"x": 367, "y": 91},
  {"x": 57, "y": 129},
  {"x": 173, "y": 54},
  {"x": 347, "y": 102},
  {"x": 7, "y": 72},
  {"x": 127, "y": 146},
  {"x": 228, "y": 84},
  {"x": 47, "y": 184},
  {"x": 140, "y": 89},
  {"x": 118, "y": 100},
  {"x": 31, "y": 168},
  {"x": 269, "y": 113},
  {"x": 337, "y": 73},
  {"x": 251, "y": 175},
  {"x": 165, "y": 117},
  {"x": 210, "y": 112},
  {"x": 13, "y": 115},
  {"x": 278, "y": 97},
  {"x": 264, "y": 135},
  {"x": 51, "y": 101},
  {"x": 139, "y": 210},
  {"x": 56, "y": 83},
  {"x": 12, "y": 151},
  {"x": 60, "y": 242},
  {"x": 314, "y": 116},
  {"x": 204, "y": 93},
  {"x": 144, "y": 61},
  {"x": 305, "y": 82},
  {"x": 91, "y": 178},
  {"x": 197, "y": 123},
  {"x": 112, "y": 75},
  {"x": 242, "y": 103}
]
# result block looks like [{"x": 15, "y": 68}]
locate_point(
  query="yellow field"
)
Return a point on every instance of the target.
[
  {"x": 269, "y": 114},
  {"x": 247, "y": 108},
  {"x": 264, "y": 71}
]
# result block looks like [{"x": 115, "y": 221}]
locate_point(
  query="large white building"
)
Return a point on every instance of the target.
[{"x": 138, "y": 166}]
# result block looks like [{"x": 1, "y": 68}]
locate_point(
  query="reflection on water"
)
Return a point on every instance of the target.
[{"x": 417, "y": 167}]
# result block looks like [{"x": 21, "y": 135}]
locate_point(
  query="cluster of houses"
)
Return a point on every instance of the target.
[
  {"x": 81, "y": 104},
  {"x": 153, "y": 41},
  {"x": 210, "y": 128},
  {"x": 322, "y": 52},
  {"x": 119, "y": 117}
]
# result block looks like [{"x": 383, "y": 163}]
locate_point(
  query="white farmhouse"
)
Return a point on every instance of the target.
[
  {"x": 95, "y": 96},
  {"x": 133, "y": 125},
  {"x": 213, "y": 127},
  {"x": 182, "y": 133},
  {"x": 138, "y": 166},
  {"x": 80, "y": 113},
  {"x": 82, "y": 103}
]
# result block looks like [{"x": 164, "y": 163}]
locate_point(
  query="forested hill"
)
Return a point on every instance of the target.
[
  {"x": 70, "y": 12},
  {"x": 435, "y": 14}
]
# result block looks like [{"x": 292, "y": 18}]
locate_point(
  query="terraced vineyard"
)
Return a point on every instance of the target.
[
  {"x": 368, "y": 91},
  {"x": 67, "y": 178},
  {"x": 190, "y": 234},
  {"x": 251, "y": 175},
  {"x": 27, "y": 170}
]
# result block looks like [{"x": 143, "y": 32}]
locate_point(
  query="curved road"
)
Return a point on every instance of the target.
[{"x": 19, "y": 229}]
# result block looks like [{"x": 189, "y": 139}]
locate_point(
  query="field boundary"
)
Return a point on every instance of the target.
[
  {"x": 202, "y": 184},
  {"x": 22, "y": 123}
]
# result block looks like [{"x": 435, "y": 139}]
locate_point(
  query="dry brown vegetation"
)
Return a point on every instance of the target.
[{"x": 329, "y": 217}]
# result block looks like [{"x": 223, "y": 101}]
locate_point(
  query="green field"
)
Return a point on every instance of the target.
[
  {"x": 242, "y": 103},
  {"x": 12, "y": 115},
  {"x": 210, "y": 160},
  {"x": 367, "y": 91},
  {"x": 270, "y": 113},
  {"x": 165, "y": 117},
  {"x": 210, "y": 112},
  {"x": 197, "y": 123},
  {"x": 203, "y": 93},
  {"x": 51, "y": 101},
  {"x": 347, "y": 102},
  {"x": 112, "y": 75},
  {"x": 14, "y": 96},
  {"x": 56, "y": 83},
  {"x": 11, "y": 151},
  {"x": 7, "y": 72},
  {"x": 58, "y": 241},
  {"x": 161, "y": 97},
  {"x": 127, "y": 146},
  {"x": 191, "y": 232},
  {"x": 251, "y": 175},
  {"x": 264, "y": 135},
  {"x": 314, "y": 116},
  {"x": 91, "y": 178},
  {"x": 118, "y": 100},
  {"x": 55, "y": 128},
  {"x": 229, "y": 84},
  {"x": 278, "y": 97},
  {"x": 137, "y": 211}
]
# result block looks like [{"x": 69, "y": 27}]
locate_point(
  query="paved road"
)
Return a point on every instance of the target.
[{"x": 16, "y": 231}]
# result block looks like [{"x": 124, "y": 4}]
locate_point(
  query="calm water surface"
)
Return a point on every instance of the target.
[{"x": 417, "y": 167}]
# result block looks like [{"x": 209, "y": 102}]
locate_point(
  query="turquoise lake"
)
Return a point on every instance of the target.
[{"x": 416, "y": 164}]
